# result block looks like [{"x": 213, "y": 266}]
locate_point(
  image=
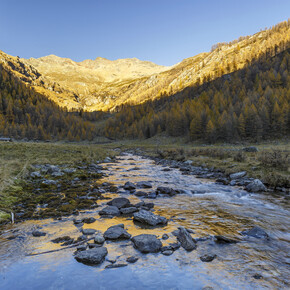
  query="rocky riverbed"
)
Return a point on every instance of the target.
[{"x": 151, "y": 224}]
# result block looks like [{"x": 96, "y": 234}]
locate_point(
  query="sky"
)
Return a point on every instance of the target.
[{"x": 161, "y": 31}]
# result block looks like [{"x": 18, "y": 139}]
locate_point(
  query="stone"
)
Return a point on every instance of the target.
[
  {"x": 165, "y": 237},
  {"x": 147, "y": 243},
  {"x": 257, "y": 276},
  {"x": 77, "y": 222},
  {"x": 116, "y": 232},
  {"x": 69, "y": 170},
  {"x": 167, "y": 252},
  {"x": 128, "y": 210},
  {"x": 222, "y": 181},
  {"x": 88, "y": 231},
  {"x": 119, "y": 202},
  {"x": 149, "y": 218},
  {"x": 61, "y": 239},
  {"x": 116, "y": 265},
  {"x": 256, "y": 186},
  {"x": 88, "y": 220},
  {"x": 129, "y": 185},
  {"x": 165, "y": 190},
  {"x": 238, "y": 175},
  {"x": 207, "y": 258},
  {"x": 35, "y": 174},
  {"x": 110, "y": 210},
  {"x": 107, "y": 160},
  {"x": 141, "y": 193},
  {"x": 144, "y": 184},
  {"x": 38, "y": 233},
  {"x": 99, "y": 239},
  {"x": 224, "y": 240},
  {"x": 132, "y": 259},
  {"x": 94, "y": 245},
  {"x": 48, "y": 182},
  {"x": 185, "y": 239},
  {"x": 81, "y": 248},
  {"x": 92, "y": 256},
  {"x": 175, "y": 246},
  {"x": 256, "y": 232}
]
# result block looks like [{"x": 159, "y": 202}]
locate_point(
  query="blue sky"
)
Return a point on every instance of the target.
[{"x": 162, "y": 31}]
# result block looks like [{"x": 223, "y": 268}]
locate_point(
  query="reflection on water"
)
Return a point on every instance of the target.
[{"x": 219, "y": 209}]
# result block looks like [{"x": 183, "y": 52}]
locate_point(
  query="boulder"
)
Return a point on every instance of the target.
[
  {"x": 92, "y": 256},
  {"x": 132, "y": 259},
  {"x": 256, "y": 232},
  {"x": 116, "y": 265},
  {"x": 35, "y": 174},
  {"x": 88, "y": 220},
  {"x": 141, "y": 193},
  {"x": 99, "y": 239},
  {"x": 147, "y": 217},
  {"x": 62, "y": 239},
  {"x": 185, "y": 239},
  {"x": 146, "y": 243},
  {"x": 38, "y": 233},
  {"x": 119, "y": 202},
  {"x": 129, "y": 210},
  {"x": 256, "y": 186},
  {"x": 116, "y": 232},
  {"x": 207, "y": 258},
  {"x": 129, "y": 185},
  {"x": 224, "y": 240},
  {"x": 238, "y": 175},
  {"x": 88, "y": 231},
  {"x": 165, "y": 237},
  {"x": 110, "y": 210},
  {"x": 165, "y": 190},
  {"x": 144, "y": 184}
]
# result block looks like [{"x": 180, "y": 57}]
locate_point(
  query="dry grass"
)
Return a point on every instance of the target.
[{"x": 16, "y": 160}]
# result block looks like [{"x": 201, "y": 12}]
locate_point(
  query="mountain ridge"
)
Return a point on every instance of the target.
[{"x": 101, "y": 84}]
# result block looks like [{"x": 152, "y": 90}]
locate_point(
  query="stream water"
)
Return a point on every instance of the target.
[{"x": 216, "y": 210}]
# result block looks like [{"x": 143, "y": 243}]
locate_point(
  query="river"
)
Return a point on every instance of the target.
[{"x": 214, "y": 210}]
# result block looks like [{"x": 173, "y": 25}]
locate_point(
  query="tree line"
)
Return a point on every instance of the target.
[{"x": 250, "y": 104}]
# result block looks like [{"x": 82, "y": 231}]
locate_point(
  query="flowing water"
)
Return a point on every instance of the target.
[{"x": 218, "y": 209}]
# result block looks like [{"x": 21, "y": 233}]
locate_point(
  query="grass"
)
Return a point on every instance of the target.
[
  {"x": 271, "y": 163},
  {"x": 16, "y": 160}
]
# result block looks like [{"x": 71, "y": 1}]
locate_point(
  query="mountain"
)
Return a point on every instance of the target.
[{"x": 102, "y": 84}]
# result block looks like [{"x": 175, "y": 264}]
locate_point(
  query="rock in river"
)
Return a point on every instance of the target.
[
  {"x": 256, "y": 232},
  {"x": 207, "y": 258},
  {"x": 99, "y": 239},
  {"x": 185, "y": 239},
  {"x": 110, "y": 210},
  {"x": 116, "y": 232},
  {"x": 256, "y": 186},
  {"x": 119, "y": 202},
  {"x": 38, "y": 234},
  {"x": 129, "y": 210},
  {"x": 144, "y": 184},
  {"x": 129, "y": 185},
  {"x": 132, "y": 259},
  {"x": 88, "y": 231},
  {"x": 92, "y": 256},
  {"x": 147, "y": 217},
  {"x": 238, "y": 175},
  {"x": 147, "y": 243}
]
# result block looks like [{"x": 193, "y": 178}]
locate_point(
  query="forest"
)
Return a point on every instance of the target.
[
  {"x": 226, "y": 105},
  {"x": 26, "y": 114},
  {"x": 250, "y": 104}
]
